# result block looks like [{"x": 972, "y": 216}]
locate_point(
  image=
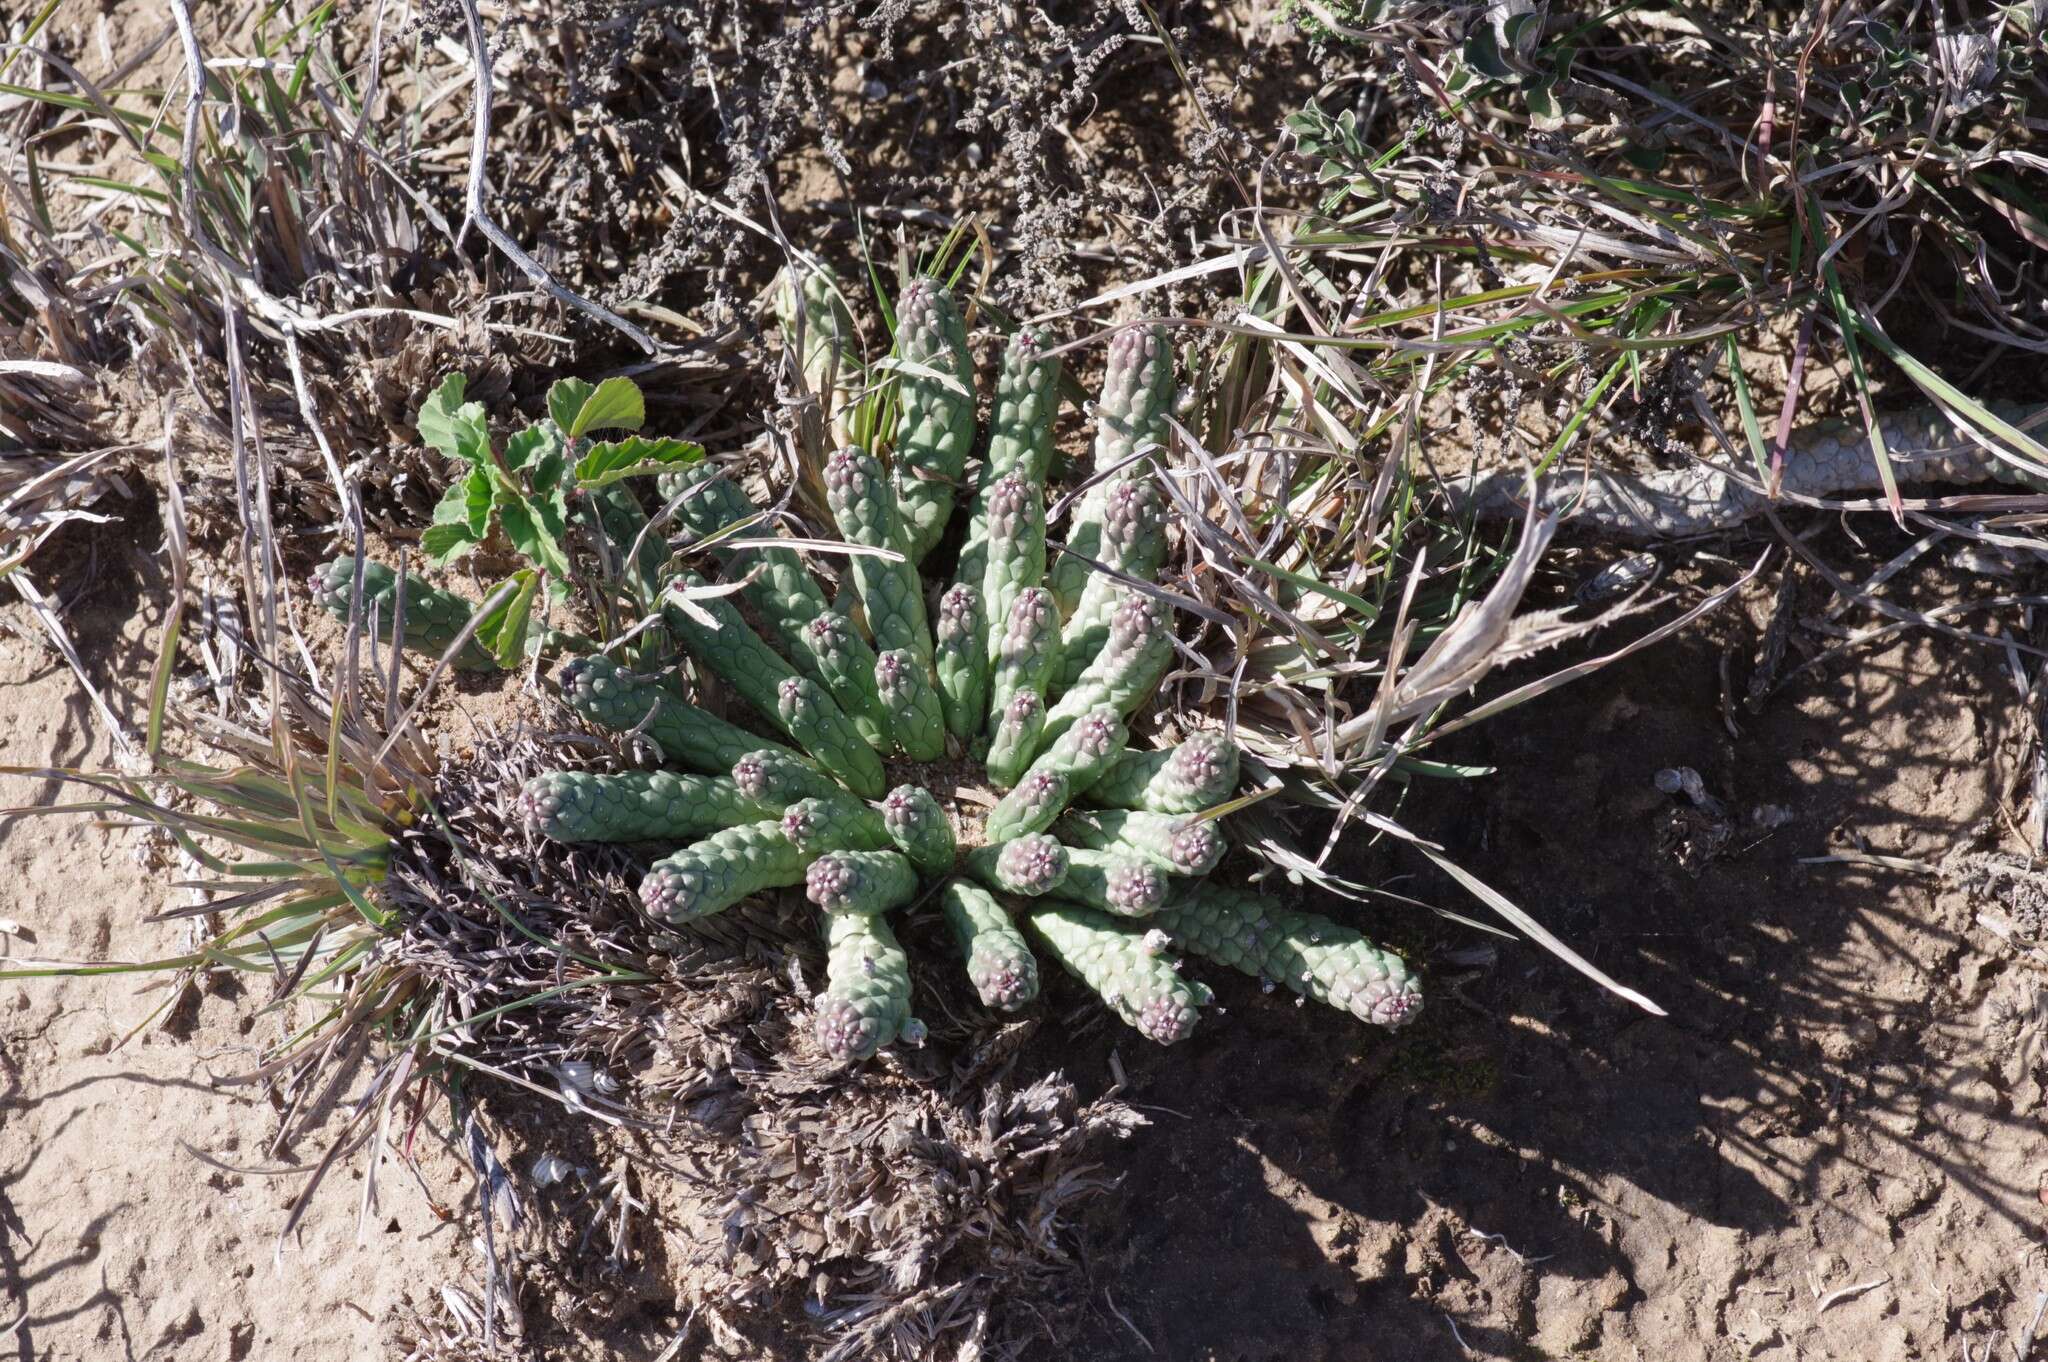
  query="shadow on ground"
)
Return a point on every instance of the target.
[{"x": 1535, "y": 1169}]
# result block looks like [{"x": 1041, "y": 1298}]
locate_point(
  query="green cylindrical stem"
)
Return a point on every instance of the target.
[
  {"x": 712, "y": 875},
  {"x": 838, "y": 823},
  {"x": 935, "y": 395},
  {"x": 1026, "y": 649},
  {"x": 1030, "y": 865},
  {"x": 1020, "y": 435},
  {"x": 623, "y": 523},
  {"x": 1137, "y": 395},
  {"x": 1114, "y": 881},
  {"x": 809, "y": 715},
  {"x": 713, "y": 507},
  {"x": 1016, "y": 545},
  {"x": 1134, "y": 543},
  {"x": 723, "y": 644},
  {"x": 844, "y": 664},
  {"x": 864, "y": 508},
  {"x": 631, "y": 806},
  {"x": 1198, "y": 774},
  {"x": 917, "y": 823},
  {"x": 962, "y": 661},
  {"x": 1177, "y": 845},
  {"x": 772, "y": 779},
  {"x": 433, "y": 617},
  {"x": 866, "y": 1002},
  {"x": 817, "y": 325},
  {"x": 1138, "y": 982},
  {"x": 803, "y": 710},
  {"x": 1027, "y": 402},
  {"x": 1137, "y": 398},
  {"x": 1069, "y": 572},
  {"x": 1021, "y": 722},
  {"x": 863, "y": 882},
  {"x": 999, "y": 963},
  {"x": 1134, "y": 525},
  {"x": 1306, "y": 952},
  {"x": 1084, "y": 753},
  {"x": 789, "y": 602},
  {"x": 611, "y": 697},
  {"x": 778, "y": 587},
  {"x": 1039, "y": 798},
  {"x": 917, "y": 718},
  {"x": 1126, "y": 672}
]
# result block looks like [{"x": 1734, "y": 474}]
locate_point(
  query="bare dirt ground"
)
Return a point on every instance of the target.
[
  {"x": 120, "y": 1234},
  {"x": 1830, "y": 1149}
]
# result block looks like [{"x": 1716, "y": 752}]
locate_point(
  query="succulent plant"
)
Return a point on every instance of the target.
[
  {"x": 1131, "y": 973},
  {"x": 1200, "y": 772},
  {"x": 866, "y": 1002},
  {"x": 915, "y": 821},
  {"x": 864, "y": 882},
  {"x": 1312, "y": 955},
  {"x": 632, "y": 806},
  {"x": 999, "y": 963},
  {"x": 612, "y": 697},
  {"x": 432, "y": 618},
  {"x": 908, "y": 679},
  {"x": 816, "y": 826}
]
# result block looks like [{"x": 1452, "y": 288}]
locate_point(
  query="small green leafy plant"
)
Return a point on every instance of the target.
[{"x": 533, "y": 488}]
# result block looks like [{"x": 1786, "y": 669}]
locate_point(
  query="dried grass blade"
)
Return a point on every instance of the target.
[{"x": 1535, "y": 930}]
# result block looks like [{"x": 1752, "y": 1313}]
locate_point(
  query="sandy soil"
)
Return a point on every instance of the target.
[
  {"x": 117, "y": 1239},
  {"x": 1830, "y": 1149}
]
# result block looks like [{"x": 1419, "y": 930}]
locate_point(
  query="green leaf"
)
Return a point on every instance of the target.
[
  {"x": 453, "y": 507},
  {"x": 1519, "y": 33},
  {"x": 530, "y": 533},
  {"x": 631, "y": 457},
  {"x": 1950, "y": 396},
  {"x": 523, "y": 446},
  {"x": 614, "y": 404},
  {"x": 566, "y": 398},
  {"x": 503, "y": 630},
  {"x": 462, "y": 518},
  {"x": 1366, "y": 611},
  {"x": 550, "y": 465},
  {"x": 1544, "y": 110},
  {"x": 1752, "y": 429},
  {"x": 445, "y": 542},
  {"x": 552, "y": 511},
  {"x": 547, "y": 473},
  {"x": 476, "y": 491},
  {"x": 1482, "y": 53},
  {"x": 1878, "y": 453},
  {"x": 467, "y": 502},
  {"x": 453, "y": 426}
]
